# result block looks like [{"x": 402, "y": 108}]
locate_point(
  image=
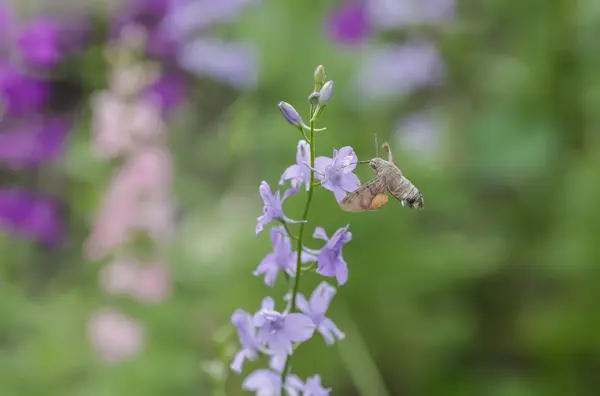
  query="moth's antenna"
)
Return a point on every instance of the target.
[
  {"x": 376, "y": 145},
  {"x": 387, "y": 148}
]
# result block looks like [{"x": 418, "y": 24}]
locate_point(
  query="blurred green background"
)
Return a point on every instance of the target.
[{"x": 488, "y": 291}]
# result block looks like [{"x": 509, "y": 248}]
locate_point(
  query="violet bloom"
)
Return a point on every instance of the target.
[
  {"x": 171, "y": 89},
  {"x": 299, "y": 173},
  {"x": 330, "y": 260},
  {"x": 282, "y": 258},
  {"x": 34, "y": 216},
  {"x": 316, "y": 309},
  {"x": 336, "y": 173},
  {"x": 242, "y": 321},
  {"x": 399, "y": 70},
  {"x": 393, "y": 14},
  {"x": 272, "y": 209},
  {"x": 268, "y": 383},
  {"x": 313, "y": 387},
  {"x": 349, "y": 23},
  {"x": 39, "y": 42},
  {"x": 33, "y": 144},
  {"x": 280, "y": 330},
  {"x": 21, "y": 94}
]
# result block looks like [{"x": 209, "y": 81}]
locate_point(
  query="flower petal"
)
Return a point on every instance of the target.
[
  {"x": 341, "y": 271},
  {"x": 321, "y": 163},
  {"x": 289, "y": 192},
  {"x": 339, "y": 193},
  {"x": 350, "y": 182},
  {"x": 302, "y": 304},
  {"x": 321, "y": 298},
  {"x": 320, "y": 233},
  {"x": 298, "y": 327}
]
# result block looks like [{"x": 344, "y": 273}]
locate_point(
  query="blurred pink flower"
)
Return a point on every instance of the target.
[
  {"x": 139, "y": 199},
  {"x": 115, "y": 337},
  {"x": 149, "y": 282}
]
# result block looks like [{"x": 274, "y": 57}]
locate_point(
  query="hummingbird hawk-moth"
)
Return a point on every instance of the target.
[{"x": 374, "y": 194}]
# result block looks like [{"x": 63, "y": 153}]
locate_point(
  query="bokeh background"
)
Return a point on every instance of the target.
[{"x": 135, "y": 133}]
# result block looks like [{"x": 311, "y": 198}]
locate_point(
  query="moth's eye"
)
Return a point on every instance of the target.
[{"x": 373, "y": 165}]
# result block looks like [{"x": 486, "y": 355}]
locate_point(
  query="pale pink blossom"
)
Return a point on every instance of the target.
[
  {"x": 115, "y": 336},
  {"x": 148, "y": 282},
  {"x": 138, "y": 200}
]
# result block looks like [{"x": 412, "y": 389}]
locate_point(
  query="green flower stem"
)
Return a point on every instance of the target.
[{"x": 301, "y": 235}]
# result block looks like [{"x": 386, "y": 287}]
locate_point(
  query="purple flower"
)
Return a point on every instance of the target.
[
  {"x": 279, "y": 330},
  {"x": 399, "y": 70},
  {"x": 290, "y": 114},
  {"x": 33, "y": 216},
  {"x": 330, "y": 260},
  {"x": 171, "y": 89},
  {"x": 30, "y": 145},
  {"x": 313, "y": 387},
  {"x": 349, "y": 23},
  {"x": 390, "y": 14},
  {"x": 39, "y": 42},
  {"x": 21, "y": 94},
  {"x": 282, "y": 258},
  {"x": 235, "y": 64},
  {"x": 268, "y": 383},
  {"x": 336, "y": 173},
  {"x": 272, "y": 209},
  {"x": 316, "y": 308},
  {"x": 242, "y": 321},
  {"x": 326, "y": 92},
  {"x": 300, "y": 172}
]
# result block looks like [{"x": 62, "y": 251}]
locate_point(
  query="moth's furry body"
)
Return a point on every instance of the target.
[{"x": 374, "y": 194}]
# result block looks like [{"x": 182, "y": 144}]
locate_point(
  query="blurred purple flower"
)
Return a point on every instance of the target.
[
  {"x": 19, "y": 93},
  {"x": 39, "y": 42},
  {"x": 349, "y": 23},
  {"x": 242, "y": 321},
  {"x": 33, "y": 144},
  {"x": 393, "y": 14},
  {"x": 316, "y": 308},
  {"x": 330, "y": 260},
  {"x": 268, "y": 383},
  {"x": 235, "y": 64},
  {"x": 419, "y": 133},
  {"x": 171, "y": 89},
  {"x": 399, "y": 70},
  {"x": 300, "y": 172},
  {"x": 280, "y": 330},
  {"x": 313, "y": 387},
  {"x": 29, "y": 215},
  {"x": 272, "y": 209},
  {"x": 336, "y": 173},
  {"x": 281, "y": 259}
]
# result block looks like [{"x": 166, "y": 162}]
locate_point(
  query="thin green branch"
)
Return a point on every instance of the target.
[{"x": 296, "y": 284}]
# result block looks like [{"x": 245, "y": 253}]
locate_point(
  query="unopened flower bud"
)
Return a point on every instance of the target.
[
  {"x": 326, "y": 92},
  {"x": 319, "y": 75},
  {"x": 313, "y": 98},
  {"x": 290, "y": 114}
]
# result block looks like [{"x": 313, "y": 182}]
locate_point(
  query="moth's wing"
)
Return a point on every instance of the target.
[{"x": 370, "y": 196}]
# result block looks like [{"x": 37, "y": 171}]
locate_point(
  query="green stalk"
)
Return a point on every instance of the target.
[{"x": 300, "y": 237}]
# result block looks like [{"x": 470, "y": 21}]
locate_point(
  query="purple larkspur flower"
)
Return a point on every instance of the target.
[
  {"x": 268, "y": 383},
  {"x": 33, "y": 144},
  {"x": 242, "y": 321},
  {"x": 313, "y": 387},
  {"x": 349, "y": 23},
  {"x": 299, "y": 173},
  {"x": 280, "y": 330},
  {"x": 316, "y": 308},
  {"x": 336, "y": 173},
  {"x": 39, "y": 42},
  {"x": 29, "y": 215},
  {"x": 290, "y": 114},
  {"x": 171, "y": 89},
  {"x": 326, "y": 93},
  {"x": 21, "y": 94},
  {"x": 282, "y": 258},
  {"x": 399, "y": 70},
  {"x": 393, "y": 14},
  {"x": 272, "y": 209},
  {"x": 235, "y": 64},
  {"x": 330, "y": 260}
]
